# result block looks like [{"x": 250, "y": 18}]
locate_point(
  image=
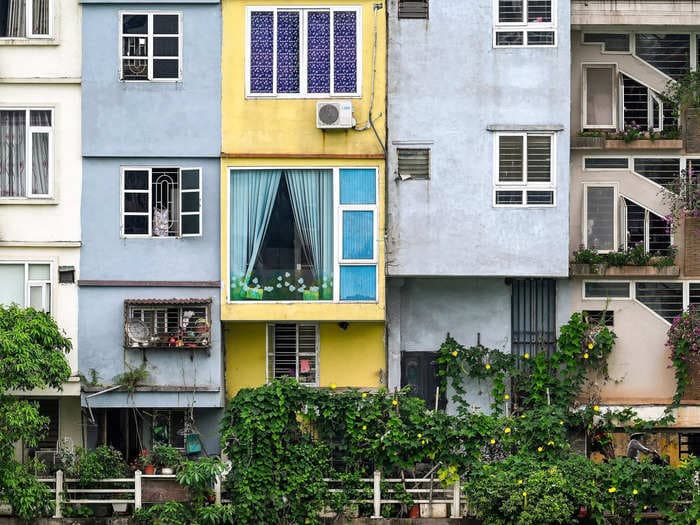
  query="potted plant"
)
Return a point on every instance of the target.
[
  {"x": 167, "y": 458},
  {"x": 145, "y": 460}
]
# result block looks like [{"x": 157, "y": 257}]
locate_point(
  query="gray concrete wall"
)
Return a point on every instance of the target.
[{"x": 447, "y": 84}]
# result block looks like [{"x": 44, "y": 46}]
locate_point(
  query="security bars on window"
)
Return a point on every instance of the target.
[
  {"x": 167, "y": 325},
  {"x": 295, "y": 52},
  {"x": 524, "y": 170},
  {"x": 292, "y": 351},
  {"x": 26, "y": 155},
  {"x": 150, "y": 46},
  {"x": 161, "y": 202},
  {"x": 26, "y": 18},
  {"x": 524, "y": 23}
]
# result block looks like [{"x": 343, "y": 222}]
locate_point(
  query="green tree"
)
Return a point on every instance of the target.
[{"x": 32, "y": 356}]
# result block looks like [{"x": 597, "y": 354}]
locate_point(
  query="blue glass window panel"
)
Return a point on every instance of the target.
[
  {"x": 319, "y": 52},
  {"x": 288, "y": 52},
  {"x": 358, "y": 186},
  {"x": 358, "y": 283},
  {"x": 345, "y": 51},
  {"x": 358, "y": 235},
  {"x": 261, "y": 51}
]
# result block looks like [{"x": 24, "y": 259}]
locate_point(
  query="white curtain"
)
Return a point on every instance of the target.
[
  {"x": 40, "y": 17},
  {"x": 40, "y": 153},
  {"x": 16, "y": 23},
  {"x": 13, "y": 131},
  {"x": 253, "y": 196},
  {"x": 311, "y": 193}
]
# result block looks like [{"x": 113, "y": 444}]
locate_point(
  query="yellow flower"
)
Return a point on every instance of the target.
[
  {"x": 394, "y": 402},
  {"x": 333, "y": 386},
  {"x": 423, "y": 442},
  {"x": 420, "y": 436},
  {"x": 561, "y": 422},
  {"x": 493, "y": 441},
  {"x": 455, "y": 353},
  {"x": 645, "y": 507},
  {"x": 585, "y": 356},
  {"x": 364, "y": 427},
  {"x": 524, "y": 494},
  {"x": 520, "y": 482},
  {"x": 539, "y": 449},
  {"x": 596, "y": 408},
  {"x": 488, "y": 366},
  {"x": 526, "y": 356},
  {"x": 550, "y": 443},
  {"x": 522, "y": 416},
  {"x": 364, "y": 395},
  {"x": 506, "y": 397},
  {"x": 612, "y": 489},
  {"x": 590, "y": 346},
  {"x": 635, "y": 492},
  {"x": 507, "y": 430}
]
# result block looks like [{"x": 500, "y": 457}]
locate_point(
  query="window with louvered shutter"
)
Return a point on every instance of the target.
[
  {"x": 524, "y": 174},
  {"x": 413, "y": 8},
  {"x": 413, "y": 163},
  {"x": 293, "y": 352}
]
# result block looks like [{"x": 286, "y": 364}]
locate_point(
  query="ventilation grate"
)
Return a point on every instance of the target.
[
  {"x": 414, "y": 163},
  {"x": 413, "y": 8}
]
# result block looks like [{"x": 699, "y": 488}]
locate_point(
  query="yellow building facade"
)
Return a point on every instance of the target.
[{"x": 302, "y": 192}]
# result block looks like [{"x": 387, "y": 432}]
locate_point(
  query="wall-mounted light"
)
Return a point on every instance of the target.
[{"x": 343, "y": 325}]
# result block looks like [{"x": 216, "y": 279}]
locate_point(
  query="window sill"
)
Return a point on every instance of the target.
[
  {"x": 297, "y": 96},
  {"x": 29, "y": 42},
  {"x": 28, "y": 202}
]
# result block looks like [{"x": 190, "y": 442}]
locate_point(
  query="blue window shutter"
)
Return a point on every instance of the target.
[
  {"x": 288, "y": 52},
  {"x": 358, "y": 235},
  {"x": 261, "y": 51},
  {"x": 358, "y": 283},
  {"x": 345, "y": 52},
  {"x": 358, "y": 186},
  {"x": 318, "y": 56}
]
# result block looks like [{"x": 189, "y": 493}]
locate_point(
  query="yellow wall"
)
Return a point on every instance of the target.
[
  {"x": 347, "y": 358},
  {"x": 308, "y": 310},
  {"x": 288, "y": 126}
]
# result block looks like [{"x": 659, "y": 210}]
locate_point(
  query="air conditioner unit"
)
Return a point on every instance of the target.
[{"x": 334, "y": 115}]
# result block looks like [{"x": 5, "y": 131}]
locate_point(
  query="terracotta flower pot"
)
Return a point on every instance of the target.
[{"x": 149, "y": 470}]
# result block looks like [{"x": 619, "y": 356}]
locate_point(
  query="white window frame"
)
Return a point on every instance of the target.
[
  {"x": 29, "y": 165},
  {"x": 45, "y": 285},
  {"x": 149, "y": 191},
  {"x": 337, "y": 231},
  {"x": 602, "y": 44},
  {"x": 616, "y": 213},
  {"x": 149, "y": 36},
  {"x": 647, "y": 216},
  {"x": 298, "y": 355},
  {"x": 630, "y": 290},
  {"x": 626, "y": 157},
  {"x": 303, "y": 72},
  {"x": 614, "y": 98},
  {"x": 524, "y": 186},
  {"x": 525, "y": 27},
  {"x": 28, "y": 19}
]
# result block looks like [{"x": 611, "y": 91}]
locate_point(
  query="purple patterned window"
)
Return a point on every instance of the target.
[{"x": 303, "y": 51}]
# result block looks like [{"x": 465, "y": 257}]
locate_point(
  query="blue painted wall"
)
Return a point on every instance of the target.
[
  {"x": 446, "y": 85},
  {"x": 152, "y": 118}
]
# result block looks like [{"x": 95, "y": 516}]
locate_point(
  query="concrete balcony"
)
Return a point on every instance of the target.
[{"x": 635, "y": 12}]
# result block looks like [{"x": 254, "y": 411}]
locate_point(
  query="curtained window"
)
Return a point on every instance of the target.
[
  {"x": 25, "y": 152},
  {"x": 25, "y": 18},
  {"x": 285, "y": 228}
]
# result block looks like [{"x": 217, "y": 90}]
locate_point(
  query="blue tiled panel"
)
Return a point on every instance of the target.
[
  {"x": 358, "y": 186},
  {"x": 358, "y": 234},
  {"x": 358, "y": 283}
]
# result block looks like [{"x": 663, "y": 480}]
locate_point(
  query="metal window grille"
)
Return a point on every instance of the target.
[
  {"x": 293, "y": 352},
  {"x": 601, "y": 317},
  {"x": 413, "y": 8},
  {"x": 669, "y": 53},
  {"x": 533, "y": 316},
  {"x": 664, "y": 298},
  {"x": 167, "y": 325},
  {"x": 611, "y": 41},
  {"x": 645, "y": 227},
  {"x": 414, "y": 163},
  {"x": 689, "y": 444},
  {"x": 606, "y": 290},
  {"x": 662, "y": 171},
  {"x": 606, "y": 163}
]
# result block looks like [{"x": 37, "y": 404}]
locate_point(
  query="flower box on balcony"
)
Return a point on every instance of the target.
[
  {"x": 605, "y": 270},
  {"x": 587, "y": 142},
  {"x": 648, "y": 144}
]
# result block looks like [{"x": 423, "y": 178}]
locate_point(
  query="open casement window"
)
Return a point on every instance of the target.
[
  {"x": 176, "y": 324},
  {"x": 161, "y": 202},
  {"x": 150, "y": 46},
  {"x": 295, "y": 52},
  {"x": 303, "y": 235},
  {"x": 524, "y": 169},
  {"x": 292, "y": 351},
  {"x": 520, "y": 23},
  {"x": 599, "y": 97},
  {"x": 643, "y": 227},
  {"x": 26, "y": 284},
  {"x": 26, "y": 153},
  {"x": 600, "y": 217},
  {"x": 26, "y": 18}
]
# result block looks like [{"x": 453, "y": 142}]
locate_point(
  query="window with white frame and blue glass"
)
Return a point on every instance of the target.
[
  {"x": 303, "y": 234},
  {"x": 299, "y": 52}
]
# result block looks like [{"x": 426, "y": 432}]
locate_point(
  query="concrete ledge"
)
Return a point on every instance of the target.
[
  {"x": 603, "y": 270},
  {"x": 618, "y": 144}
]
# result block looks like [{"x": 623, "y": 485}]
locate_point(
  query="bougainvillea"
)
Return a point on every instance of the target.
[{"x": 684, "y": 343}]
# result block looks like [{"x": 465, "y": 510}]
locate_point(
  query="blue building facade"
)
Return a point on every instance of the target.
[
  {"x": 149, "y": 287},
  {"x": 478, "y": 169}
]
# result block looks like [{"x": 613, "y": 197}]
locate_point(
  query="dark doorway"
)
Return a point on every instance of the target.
[{"x": 419, "y": 371}]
